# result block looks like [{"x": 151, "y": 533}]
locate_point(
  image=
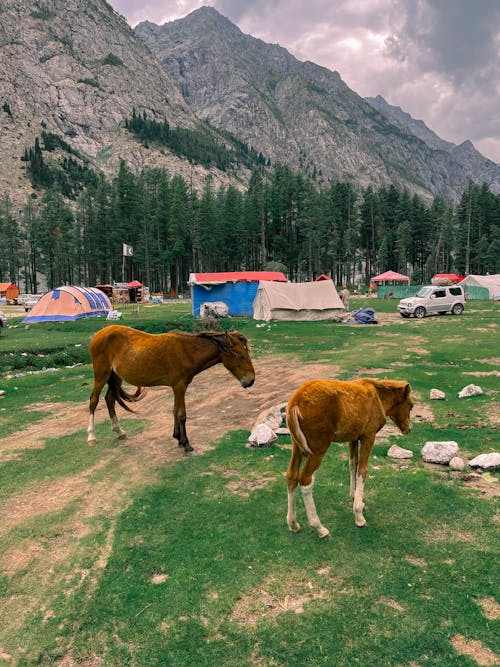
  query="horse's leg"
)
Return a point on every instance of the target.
[
  {"x": 353, "y": 465},
  {"x": 366, "y": 444},
  {"x": 110, "y": 402},
  {"x": 306, "y": 480},
  {"x": 292, "y": 479},
  {"x": 180, "y": 417},
  {"x": 99, "y": 383}
]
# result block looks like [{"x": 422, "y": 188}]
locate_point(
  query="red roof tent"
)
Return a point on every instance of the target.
[
  {"x": 322, "y": 277},
  {"x": 235, "y": 277},
  {"x": 134, "y": 283},
  {"x": 391, "y": 276}
]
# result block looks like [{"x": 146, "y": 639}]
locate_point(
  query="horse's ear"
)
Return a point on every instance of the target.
[
  {"x": 407, "y": 390},
  {"x": 243, "y": 339}
]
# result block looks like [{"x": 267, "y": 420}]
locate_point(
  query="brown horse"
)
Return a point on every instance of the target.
[
  {"x": 121, "y": 353},
  {"x": 324, "y": 411}
]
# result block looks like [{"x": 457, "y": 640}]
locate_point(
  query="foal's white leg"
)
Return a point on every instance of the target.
[
  {"x": 312, "y": 515},
  {"x": 115, "y": 425},
  {"x": 291, "y": 517},
  {"x": 358, "y": 504},
  {"x": 90, "y": 431},
  {"x": 353, "y": 466}
]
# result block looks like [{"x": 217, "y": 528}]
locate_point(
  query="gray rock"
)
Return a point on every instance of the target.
[
  {"x": 489, "y": 461},
  {"x": 470, "y": 390},
  {"x": 437, "y": 395},
  {"x": 456, "y": 463},
  {"x": 262, "y": 436},
  {"x": 396, "y": 452},
  {"x": 439, "y": 452},
  {"x": 274, "y": 416}
]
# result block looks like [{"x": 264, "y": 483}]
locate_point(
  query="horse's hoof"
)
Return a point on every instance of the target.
[
  {"x": 92, "y": 442},
  {"x": 294, "y": 527},
  {"x": 123, "y": 436},
  {"x": 189, "y": 452},
  {"x": 361, "y": 523},
  {"x": 323, "y": 532}
]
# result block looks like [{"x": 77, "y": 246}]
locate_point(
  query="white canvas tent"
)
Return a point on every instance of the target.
[
  {"x": 491, "y": 283},
  {"x": 297, "y": 301}
]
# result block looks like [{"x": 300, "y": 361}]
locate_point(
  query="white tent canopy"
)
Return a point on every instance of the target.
[
  {"x": 491, "y": 283},
  {"x": 297, "y": 301}
]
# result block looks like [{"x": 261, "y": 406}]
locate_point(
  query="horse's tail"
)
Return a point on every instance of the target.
[
  {"x": 293, "y": 418},
  {"x": 120, "y": 395}
]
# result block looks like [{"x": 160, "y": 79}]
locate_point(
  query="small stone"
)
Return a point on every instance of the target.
[
  {"x": 470, "y": 390},
  {"x": 439, "y": 452},
  {"x": 262, "y": 436},
  {"x": 2, "y": 393},
  {"x": 456, "y": 463},
  {"x": 489, "y": 461},
  {"x": 437, "y": 395},
  {"x": 396, "y": 452}
]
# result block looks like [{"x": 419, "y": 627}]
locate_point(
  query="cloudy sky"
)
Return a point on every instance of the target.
[{"x": 439, "y": 60}]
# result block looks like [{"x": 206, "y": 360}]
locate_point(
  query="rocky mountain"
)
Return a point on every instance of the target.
[
  {"x": 303, "y": 114},
  {"x": 480, "y": 168},
  {"x": 76, "y": 69}
]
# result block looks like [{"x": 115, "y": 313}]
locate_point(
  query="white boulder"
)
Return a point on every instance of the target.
[
  {"x": 439, "y": 452},
  {"x": 470, "y": 390},
  {"x": 486, "y": 461},
  {"x": 457, "y": 463},
  {"x": 262, "y": 436},
  {"x": 437, "y": 395},
  {"x": 397, "y": 452}
]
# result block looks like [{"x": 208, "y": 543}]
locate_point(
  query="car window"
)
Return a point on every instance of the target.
[
  {"x": 456, "y": 291},
  {"x": 425, "y": 291},
  {"x": 440, "y": 293}
]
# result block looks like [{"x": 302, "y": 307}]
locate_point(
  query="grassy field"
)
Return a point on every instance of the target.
[{"x": 192, "y": 563}]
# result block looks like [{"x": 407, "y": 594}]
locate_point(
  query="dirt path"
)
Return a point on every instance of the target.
[{"x": 215, "y": 403}]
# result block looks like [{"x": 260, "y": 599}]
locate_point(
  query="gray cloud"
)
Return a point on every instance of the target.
[{"x": 437, "y": 59}]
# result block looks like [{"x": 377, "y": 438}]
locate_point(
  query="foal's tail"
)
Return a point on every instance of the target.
[
  {"x": 293, "y": 417},
  {"x": 120, "y": 395}
]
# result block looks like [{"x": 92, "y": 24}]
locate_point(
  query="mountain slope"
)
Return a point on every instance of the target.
[
  {"x": 480, "y": 168},
  {"x": 297, "y": 112},
  {"x": 75, "y": 68}
]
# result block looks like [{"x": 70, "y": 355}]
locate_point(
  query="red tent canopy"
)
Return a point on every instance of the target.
[
  {"x": 235, "y": 277},
  {"x": 391, "y": 276},
  {"x": 134, "y": 283},
  {"x": 322, "y": 277}
]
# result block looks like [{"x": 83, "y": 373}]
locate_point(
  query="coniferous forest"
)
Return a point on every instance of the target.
[{"x": 281, "y": 222}]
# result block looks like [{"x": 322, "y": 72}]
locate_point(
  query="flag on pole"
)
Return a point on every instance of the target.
[{"x": 128, "y": 251}]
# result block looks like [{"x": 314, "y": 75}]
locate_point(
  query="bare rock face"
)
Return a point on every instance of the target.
[
  {"x": 302, "y": 114},
  {"x": 76, "y": 69}
]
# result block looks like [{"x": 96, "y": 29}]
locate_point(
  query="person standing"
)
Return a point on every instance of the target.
[{"x": 344, "y": 295}]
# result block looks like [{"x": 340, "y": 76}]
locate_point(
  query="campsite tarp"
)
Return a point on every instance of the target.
[
  {"x": 490, "y": 283},
  {"x": 237, "y": 289},
  {"x": 69, "y": 303},
  {"x": 446, "y": 278},
  {"x": 297, "y": 301}
]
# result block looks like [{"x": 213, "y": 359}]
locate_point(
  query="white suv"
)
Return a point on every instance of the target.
[{"x": 434, "y": 299}]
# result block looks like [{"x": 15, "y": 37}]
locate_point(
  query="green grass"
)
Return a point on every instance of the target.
[{"x": 391, "y": 594}]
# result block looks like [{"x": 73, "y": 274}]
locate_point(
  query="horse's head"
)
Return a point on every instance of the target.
[
  {"x": 235, "y": 355},
  {"x": 400, "y": 411}
]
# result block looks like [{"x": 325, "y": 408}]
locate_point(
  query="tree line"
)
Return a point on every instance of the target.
[{"x": 281, "y": 222}]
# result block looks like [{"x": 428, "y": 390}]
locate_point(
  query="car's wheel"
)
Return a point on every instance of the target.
[
  {"x": 457, "y": 309},
  {"x": 405, "y": 315},
  {"x": 419, "y": 312}
]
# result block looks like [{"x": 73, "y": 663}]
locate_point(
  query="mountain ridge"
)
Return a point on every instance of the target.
[{"x": 304, "y": 114}]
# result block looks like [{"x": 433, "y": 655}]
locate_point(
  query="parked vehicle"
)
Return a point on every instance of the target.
[
  {"x": 31, "y": 300},
  {"x": 434, "y": 299}
]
